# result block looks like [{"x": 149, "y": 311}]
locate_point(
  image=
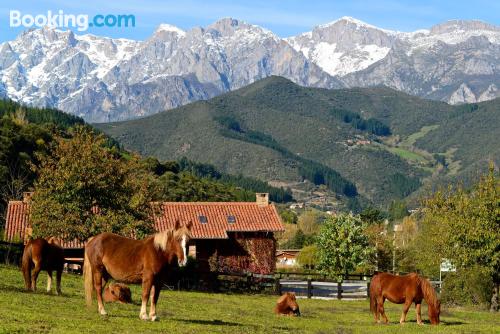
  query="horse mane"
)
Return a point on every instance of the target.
[
  {"x": 430, "y": 294},
  {"x": 161, "y": 239},
  {"x": 54, "y": 241}
]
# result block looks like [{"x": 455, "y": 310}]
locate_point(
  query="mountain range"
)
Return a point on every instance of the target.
[
  {"x": 388, "y": 144},
  {"x": 103, "y": 79}
]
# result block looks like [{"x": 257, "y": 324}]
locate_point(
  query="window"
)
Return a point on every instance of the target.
[
  {"x": 231, "y": 219},
  {"x": 202, "y": 219}
]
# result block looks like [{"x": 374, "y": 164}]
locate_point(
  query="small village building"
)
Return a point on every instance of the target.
[
  {"x": 287, "y": 258},
  {"x": 227, "y": 237}
]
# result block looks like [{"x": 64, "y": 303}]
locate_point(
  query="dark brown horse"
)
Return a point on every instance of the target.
[
  {"x": 406, "y": 290},
  {"x": 287, "y": 305},
  {"x": 40, "y": 254},
  {"x": 127, "y": 260}
]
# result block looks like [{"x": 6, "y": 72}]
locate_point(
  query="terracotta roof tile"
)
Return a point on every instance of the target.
[{"x": 249, "y": 217}]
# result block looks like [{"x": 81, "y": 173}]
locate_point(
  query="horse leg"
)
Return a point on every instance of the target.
[
  {"x": 34, "y": 274},
  {"x": 418, "y": 307},
  {"x": 98, "y": 290},
  {"x": 49, "y": 280},
  {"x": 155, "y": 293},
  {"x": 146, "y": 289},
  {"x": 406, "y": 307},
  {"x": 58, "y": 281},
  {"x": 380, "y": 304}
]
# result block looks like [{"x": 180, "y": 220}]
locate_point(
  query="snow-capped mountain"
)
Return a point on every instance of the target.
[
  {"x": 457, "y": 61},
  {"x": 104, "y": 79}
]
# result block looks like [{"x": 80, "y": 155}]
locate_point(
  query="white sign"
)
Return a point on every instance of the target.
[{"x": 447, "y": 266}]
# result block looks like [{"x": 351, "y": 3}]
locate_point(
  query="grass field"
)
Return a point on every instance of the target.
[{"x": 193, "y": 312}]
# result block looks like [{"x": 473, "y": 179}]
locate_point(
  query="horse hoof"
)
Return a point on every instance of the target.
[
  {"x": 144, "y": 317},
  {"x": 103, "y": 312},
  {"x": 154, "y": 318}
]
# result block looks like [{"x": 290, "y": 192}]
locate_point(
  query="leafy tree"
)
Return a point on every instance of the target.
[
  {"x": 81, "y": 174},
  {"x": 372, "y": 215},
  {"x": 398, "y": 210},
  {"x": 288, "y": 216},
  {"x": 308, "y": 257},
  {"x": 342, "y": 245},
  {"x": 310, "y": 221},
  {"x": 464, "y": 226},
  {"x": 297, "y": 241}
]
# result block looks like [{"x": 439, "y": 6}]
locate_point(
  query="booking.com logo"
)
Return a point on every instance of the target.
[{"x": 61, "y": 20}]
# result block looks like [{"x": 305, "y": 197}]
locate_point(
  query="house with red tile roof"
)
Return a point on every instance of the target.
[{"x": 232, "y": 237}]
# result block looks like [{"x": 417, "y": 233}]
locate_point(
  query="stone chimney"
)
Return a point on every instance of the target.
[
  {"x": 27, "y": 196},
  {"x": 262, "y": 199}
]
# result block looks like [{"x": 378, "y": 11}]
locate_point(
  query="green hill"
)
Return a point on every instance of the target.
[{"x": 380, "y": 143}]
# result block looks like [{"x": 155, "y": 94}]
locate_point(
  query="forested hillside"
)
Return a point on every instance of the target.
[
  {"x": 27, "y": 134},
  {"x": 375, "y": 142}
]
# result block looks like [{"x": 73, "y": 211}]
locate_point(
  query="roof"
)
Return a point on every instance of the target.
[
  {"x": 16, "y": 221},
  {"x": 248, "y": 217}
]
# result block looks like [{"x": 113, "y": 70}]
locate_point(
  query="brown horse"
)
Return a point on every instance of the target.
[
  {"x": 40, "y": 254},
  {"x": 406, "y": 290},
  {"x": 127, "y": 260},
  {"x": 117, "y": 292},
  {"x": 287, "y": 305}
]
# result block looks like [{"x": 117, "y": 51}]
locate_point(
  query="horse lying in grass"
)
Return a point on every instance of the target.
[
  {"x": 287, "y": 305},
  {"x": 117, "y": 292},
  {"x": 40, "y": 254},
  {"x": 127, "y": 260},
  {"x": 406, "y": 290}
]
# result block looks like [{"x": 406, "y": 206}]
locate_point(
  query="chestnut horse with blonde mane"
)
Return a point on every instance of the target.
[
  {"x": 40, "y": 254},
  {"x": 407, "y": 289},
  {"x": 287, "y": 305},
  {"x": 126, "y": 260}
]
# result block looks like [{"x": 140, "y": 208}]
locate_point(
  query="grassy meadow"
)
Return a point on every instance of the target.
[{"x": 195, "y": 312}]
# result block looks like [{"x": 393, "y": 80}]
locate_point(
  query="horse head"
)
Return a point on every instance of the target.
[
  {"x": 433, "y": 303},
  {"x": 182, "y": 234},
  {"x": 434, "y": 312},
  {"x": 289, "y": 302}
]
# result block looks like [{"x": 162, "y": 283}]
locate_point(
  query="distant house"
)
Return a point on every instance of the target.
[
  {"x": 231, "y": 237},
  {"x": 286, "y": 258}
]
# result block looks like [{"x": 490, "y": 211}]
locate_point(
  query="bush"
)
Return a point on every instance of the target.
[{"x": 471, "y": 286}]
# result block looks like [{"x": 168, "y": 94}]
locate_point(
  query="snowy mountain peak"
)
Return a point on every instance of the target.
[
  {"x": 164, "y": 27},
  {"x": 348, "y": 20},
  {"x": 105, "y": 79},
  {"x": 463, "y": 25}
]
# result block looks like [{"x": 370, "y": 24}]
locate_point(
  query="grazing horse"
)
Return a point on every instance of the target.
[
  {"x": 117, "y": 292},
  {"x": 127, "y": 260},
  {"x": 287, "y": 305},
  {"x": 406, "y": 290},
  {"x": 40, "y": 254}
]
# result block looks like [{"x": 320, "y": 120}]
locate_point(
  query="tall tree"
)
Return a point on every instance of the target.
[
  {"x": 84, "y": 188},
  {"x": 342, "y": 245},
  {"x": 464, "y": 226}
]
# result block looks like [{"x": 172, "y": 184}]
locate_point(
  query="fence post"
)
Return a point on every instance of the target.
[
  {"x": 309, "y": 287},
  {"x": 249, "y": 282},
  {"x": 339, "y": 290},
  {"x": 277, "y": 285}
]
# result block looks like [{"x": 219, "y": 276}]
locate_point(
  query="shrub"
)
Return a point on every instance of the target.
[{"x": 471, "y": 286}]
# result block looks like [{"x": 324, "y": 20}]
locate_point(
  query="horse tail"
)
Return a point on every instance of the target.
[
  {"x": 373, "y": 294},
  {"x": 26, "y": 265},
  {"x": 88, "y": 278}
]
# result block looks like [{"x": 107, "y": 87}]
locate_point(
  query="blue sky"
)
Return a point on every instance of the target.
[{"x": 284, "y": 17}]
